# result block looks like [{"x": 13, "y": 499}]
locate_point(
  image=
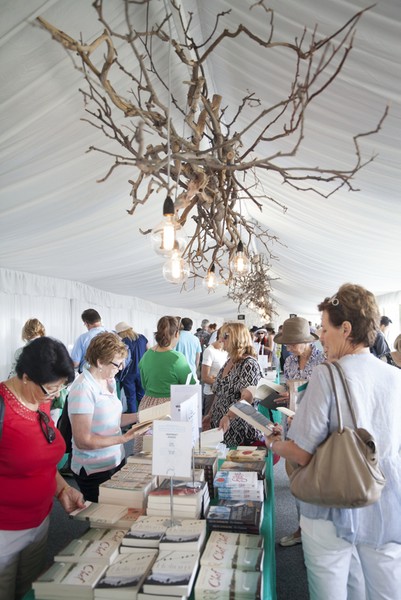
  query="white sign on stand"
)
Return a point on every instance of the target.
[{"x": 172, "y": 453}]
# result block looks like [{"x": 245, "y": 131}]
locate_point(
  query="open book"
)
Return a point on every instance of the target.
[
  {"x": 286, "y": 411},
  {"x": 161, "y": 411},
  {"x": 246, "y": 411},
  {"x": 267, "y": 392}
]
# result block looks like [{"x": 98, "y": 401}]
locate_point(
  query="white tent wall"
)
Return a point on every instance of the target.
[{"x": 59, "y": 303}]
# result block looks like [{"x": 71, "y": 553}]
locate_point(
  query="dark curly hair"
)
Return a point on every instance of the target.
[{"x": 45, "y": 360}]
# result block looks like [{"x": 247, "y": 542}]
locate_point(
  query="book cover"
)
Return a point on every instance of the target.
[
  {"x": 190, "y": 534},
  {"x": 214, "y": 583},
  {"x": 258, "y": 467},
  {"x": 247, "y": 454},
  {"x": 146, "y": 532},
  {"x": 160, "y": 411},
  {"x": 251, "y": 415},
  {"x": 183, "y": 493},
  {"x": 286, "y": 411},
  {"x": 236, "y": 479},
  {"x": 228, "y": 556},
  {"x": 124, "y": 577},
  {"x": 267, "y": 392},
  {"x": 76, "y": 579},
  {"x": 236, "y": 515},
  {"x": 97, "y": 533},
  {"x": 172, "y": 574},
  {"x": 243, "y": 493},
  {"x": 247, "y": 540},
  {"x": 129, "y": 518},
  {"x": 99, "y": 513},
  {"x": 93, "y": 551}
]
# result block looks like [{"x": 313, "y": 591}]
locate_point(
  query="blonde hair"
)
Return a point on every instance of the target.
[
  {"x": 397, "y": 343},
  {"x": 32, "y": 329},
  {"x": 129, "y": 333},
  {"x": 239, "y": 341},
  {"x": 104, "y": 347}
]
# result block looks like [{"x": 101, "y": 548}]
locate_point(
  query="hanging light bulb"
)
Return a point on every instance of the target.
[
  {"x": 168, "y": 231},
  {"x": 239, "y": 265},
  {"x": 175, "y": 269},
  {"x": 210, "y": 281}
]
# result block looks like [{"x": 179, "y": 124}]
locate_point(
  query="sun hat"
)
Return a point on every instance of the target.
[
  {"x": 261, "y": 330},
  {"x": 122, "y": 326},
  {"x": 295, "y": 331}
]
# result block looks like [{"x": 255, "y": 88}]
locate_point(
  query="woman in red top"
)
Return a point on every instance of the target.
[{"x": 30, "y": 449}]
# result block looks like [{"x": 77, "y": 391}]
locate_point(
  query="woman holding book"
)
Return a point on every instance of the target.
[
  {"x": 162, "y": 366},
  {"x": 332, "y": 536},
  {"x": 95, "y": 412},
  {"x": 239, "y": 372},
  {"x": 30, "y": 449}
]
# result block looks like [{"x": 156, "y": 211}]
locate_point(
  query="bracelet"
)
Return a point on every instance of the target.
[
  {"x": 61, "y": 492},
  {"x": 271, "y": 445}
]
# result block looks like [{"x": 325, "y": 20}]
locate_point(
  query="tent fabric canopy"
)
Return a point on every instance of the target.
[{"x": 57, "y": 221}]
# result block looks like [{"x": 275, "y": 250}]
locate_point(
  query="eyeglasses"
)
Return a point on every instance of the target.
[
  {"x": 120, "y": 366},
  {"x": 51, "y": 394},
  {"x": 226, "y": 336},
  {"x": 46, "y": 428}
]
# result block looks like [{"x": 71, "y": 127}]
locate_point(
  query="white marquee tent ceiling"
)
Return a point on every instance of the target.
[{"x": 58, "y": 221}]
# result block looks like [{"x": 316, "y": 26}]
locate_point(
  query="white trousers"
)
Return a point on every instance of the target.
[
  {"x": 22, "y": 558},
  {"x": 333, "y": 571}
]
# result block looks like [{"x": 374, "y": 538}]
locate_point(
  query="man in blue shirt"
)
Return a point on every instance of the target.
[
  {"x": 189, "y": 345},
  {"x": 93, "y": 322}
]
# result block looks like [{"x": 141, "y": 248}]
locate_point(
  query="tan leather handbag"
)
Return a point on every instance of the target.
[{"x": 344, "y": 472}]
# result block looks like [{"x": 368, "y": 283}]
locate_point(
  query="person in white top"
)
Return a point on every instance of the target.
[{"x": 214, "y": 357}]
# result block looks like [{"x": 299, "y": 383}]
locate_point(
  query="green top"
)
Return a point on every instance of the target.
[{"x": 159, "y": 370}]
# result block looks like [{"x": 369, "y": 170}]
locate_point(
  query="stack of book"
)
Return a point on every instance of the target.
[
  {"x": 129, "y": 488},
  {"x": 172, "y": 575},
  {"x": 125, "y": 576},
  {"x": 188, "y": 501},
  {"x": 100, "y": 551},
  {"x": 239, "y": 485},
  {"x": 145, "y": 533},
  {"x": 220, "y": 552},
  {"x": 241, "y": 516},
  {"x": 207, "y": 460}
]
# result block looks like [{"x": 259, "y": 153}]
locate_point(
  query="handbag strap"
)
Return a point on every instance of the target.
[
  {"x": 333, "y": 383},
  {"x": 347, "y": 392}
]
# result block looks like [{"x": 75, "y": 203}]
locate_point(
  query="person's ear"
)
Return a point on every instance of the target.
[{"x": 347, "y": 328}]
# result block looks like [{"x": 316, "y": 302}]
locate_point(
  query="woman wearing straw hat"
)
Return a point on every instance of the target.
[
  {"x": 297, "y": 337},
  {"x": 130, "y": 378}
]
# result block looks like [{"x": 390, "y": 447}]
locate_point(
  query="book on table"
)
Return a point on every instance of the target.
[
  {"x": 97, "y": 533},
  {"x": 236, "y": 479},
  {"x": 69, "y": 580},
  {"x": 235, "y": 515},
  {"x": 139, "y": 458},
  {"x": 172, "y": 574},
  {"x": 257, "y": 466},
  {"x": 245, "y": 454},
  {"x": 251, "y": 415},
  {"x": 98, "y": 513},
  {"x": 153, "y": 413},
  {"x": 146, "y": 532},
  {"x": 127, "y": 492},
  {"x": 209, "y": 466},
  {"x": 89, "y": 551},
  {"x": 133, "y": 470},
  {"x": 228, "y": 556},
  {"x": 233, "y": 493},
  {"x": 215, "y": 583},
  {"x": 248, "y": 540},
  {"x": 189, "y": 535},
  {"x": 188, "y": 501},
  {"x": 124, "y": 577}
]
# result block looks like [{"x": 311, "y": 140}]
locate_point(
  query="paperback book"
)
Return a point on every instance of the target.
[
  {"x": 247, "y": 454},
  {"x": 97, "y": 533},
  {"x": 188, "y": 501},
  {"x": 146, "y": 532},
  {"x": 236, "y": 515},
  {"x": 258, "y": 467},
  {"x": 102, "y": 551},
  {"x": 189, "y": 535},
  {"x": 251, "y": 415},
  {"x": 127, "y": 492},
  {"x": 71, "y": 580},
  {"x": 233, "y": 493},
  {"x": 124, "y": 577},
  {"x": 227, "y": 556},
  {"x": 267, "y": 392},
  {"x": 247, "y": 540},
  {"x": 215, "y": 583},
  {"x": 172, "y": 574},
  {"x": 236, "y": 479},
  {"x": 99, "y": 514}
]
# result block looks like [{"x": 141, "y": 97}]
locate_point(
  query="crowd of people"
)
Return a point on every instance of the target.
[{"x": 108, "y": 366}]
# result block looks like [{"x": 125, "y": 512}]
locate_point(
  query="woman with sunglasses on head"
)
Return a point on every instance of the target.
[
  {"x": 96, "y": 417},
  {"x": 239, "y": 372},
  {"x": 30, "y": 449}
]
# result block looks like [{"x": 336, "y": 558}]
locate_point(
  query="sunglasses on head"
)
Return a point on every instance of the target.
[{"x": 45, "y": 426}]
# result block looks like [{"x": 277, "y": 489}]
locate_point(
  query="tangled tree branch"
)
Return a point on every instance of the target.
[{"x": 182, "y": 140}]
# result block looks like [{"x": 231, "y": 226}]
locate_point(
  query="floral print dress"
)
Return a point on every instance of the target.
[{"x": 228, "y": 391}]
